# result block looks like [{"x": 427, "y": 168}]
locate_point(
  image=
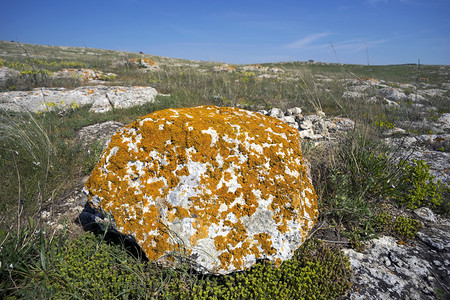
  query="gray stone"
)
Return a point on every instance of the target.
[
  {"x": 359, "y": 88},
  {"x": 416, "y": 98},
  {"x": 102, "y": 98},
  {"x": 291, "y": 120},
  {"x": 320, "y": 128},
  {"x": 394, "y": 131},
  {"x": 314, "y": 118},
  {"x": 100, "y": 132},
  {"x": 389, "y": 270},
  {"x": 426, "y": 214},
  {"x": 390, "y": 102},
  {"x": 431, "y": 92},
  {"x": 6, "y": 73},
  {"x": 352, "y": 95},
  {"x": 437, "y": 238},
  {"x": 306, "y": 124},
  {"x": 392, "y": 94},
  {"x": 294, "y": 111},
  {"x": 263, "y": 112},
  {"x": 444, "y": 121},
  {"x": 276, "y": 113},
  {"x": 85, "y": 75},
  {"x": 338, "y": 124}
]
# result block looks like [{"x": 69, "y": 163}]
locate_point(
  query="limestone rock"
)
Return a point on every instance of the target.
[
  {"x": 416, "y": 98},
  {"x": 426, "y": 214},
  {"x": 390, "y": 103},
  {"x": 394, "y": 131},
  {"x": 276, "y": 70},
  {"x": 221, "y": 187},
  {"x": 294, "y": 111},
  {"x": 291, "y": 120},
  {"x": 306, "y": 124},
  {"x": 98, "y": 132},
  {"x": 352, "y": 95},
  {"x": 6, "y": 73},
  {"x": 224, "y": 68},
  {"x": 438, "y": 161},
  {"x": 444, "y": 120},
  {"x": 276, "y": 113},
  {"x": 359, "y": 88},
  {"x": 338, "y": 124},
  {"x": 388, "y": 269},
  {"x": 432, "y": 92},
  {"x": 145, "y": 63},
  {"x": 255, "y": 67},
  {"x": 86, "y": 75},
  {"x": 102, "y": 98},
  {"x": 392, "y": 94}
]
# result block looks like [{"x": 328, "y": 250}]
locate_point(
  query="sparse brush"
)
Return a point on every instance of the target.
[{"x": 26, "y": 153}]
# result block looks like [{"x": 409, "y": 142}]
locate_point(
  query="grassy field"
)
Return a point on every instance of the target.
[{"x": 356, "y": 179}]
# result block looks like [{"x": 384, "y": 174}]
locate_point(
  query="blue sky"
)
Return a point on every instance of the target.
[{"x": 360, "y": 31}]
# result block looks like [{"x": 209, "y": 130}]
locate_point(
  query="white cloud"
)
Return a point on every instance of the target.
[
  {"x": 307, "y": 40},
  {"x": 353, "y": 46}
]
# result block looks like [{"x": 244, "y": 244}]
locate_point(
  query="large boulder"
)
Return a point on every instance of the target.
[{"x": 218, "y": 187}]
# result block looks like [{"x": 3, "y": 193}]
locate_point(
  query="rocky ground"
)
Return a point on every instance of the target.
[{"x": 387, "y": 268}]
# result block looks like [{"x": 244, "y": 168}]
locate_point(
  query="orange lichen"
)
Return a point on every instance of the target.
[
  {"x": 145, "y": 62},
  {"x": 211, "y": 167},
  {"x": 265, "y": 242}
]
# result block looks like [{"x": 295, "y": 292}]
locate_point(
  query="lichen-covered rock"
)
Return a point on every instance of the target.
[
  {"x": 145, "y": 63},
  {"x": 224, "y": 68},
  {"x": 218, "y": 187}
]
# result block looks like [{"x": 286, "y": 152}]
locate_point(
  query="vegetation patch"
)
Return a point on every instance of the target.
[
  {"x": 89, "y": 268},
  {"x": 41, "y": 158}
]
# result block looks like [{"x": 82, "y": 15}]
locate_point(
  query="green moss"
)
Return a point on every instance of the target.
[
  {"x": 315, "y": 272},
  {"x": 405, "y": 228},
  {"x": 91, "y": 269}
]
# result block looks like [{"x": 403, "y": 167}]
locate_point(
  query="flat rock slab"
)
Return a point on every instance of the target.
[
  {"x": 100, "y": 132},
  {"x": 390, "y": 269},
  {"x": 218, "y": 187},
  {"x": 102, "y": 98}
]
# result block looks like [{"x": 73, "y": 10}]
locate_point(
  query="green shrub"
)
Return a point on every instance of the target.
[
  {"x": 25, "y": 250},
  {"x": 423, "y": 190},
  {"x": 363, "y": 174}
]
